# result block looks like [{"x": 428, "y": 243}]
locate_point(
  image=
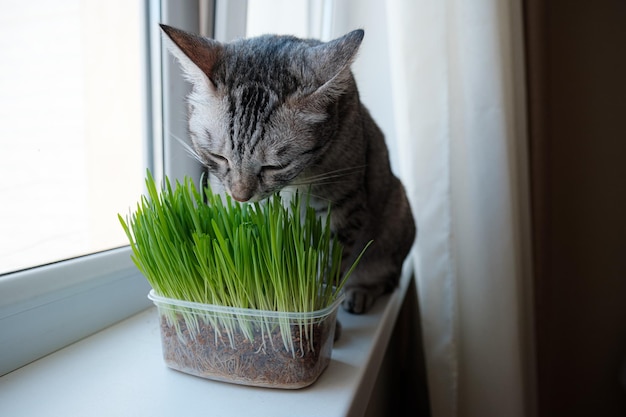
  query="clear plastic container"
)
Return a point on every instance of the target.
[{"x": 245, "y": 346}]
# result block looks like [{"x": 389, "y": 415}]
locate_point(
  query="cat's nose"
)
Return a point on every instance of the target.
[
  {"x": 241, "y": 199},
  {"x": 241, "y": 194},
  {"x": 243, "y": 186}
]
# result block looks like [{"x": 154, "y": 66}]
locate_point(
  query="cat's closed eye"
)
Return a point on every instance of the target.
[
  {"x": 214, "y": 161},
  {"x": 217, "y": 158},
  {"x": 271, "y": 168}
]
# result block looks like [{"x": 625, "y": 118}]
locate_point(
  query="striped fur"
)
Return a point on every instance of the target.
[{"x": 278, "y": 113}]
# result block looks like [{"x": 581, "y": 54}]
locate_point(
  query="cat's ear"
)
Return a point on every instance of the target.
[
  {"x": 197, "y": 55},
  {"x": 332, "y": 61}
]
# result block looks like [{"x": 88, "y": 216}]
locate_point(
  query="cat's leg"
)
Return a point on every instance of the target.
[
  {"x": 393, "y": 232},
  {"x": 351, "y": 224},
  {"x": 373, "y": 277}
]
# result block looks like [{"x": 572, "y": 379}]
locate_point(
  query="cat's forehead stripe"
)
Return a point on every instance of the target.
[{"x": 250, "y": 109}]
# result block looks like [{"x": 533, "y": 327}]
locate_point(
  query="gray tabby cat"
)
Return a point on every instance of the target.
[{"x": 279, "y": 113}]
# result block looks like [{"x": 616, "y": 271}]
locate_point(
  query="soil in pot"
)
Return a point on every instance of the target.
[{"x": 263, "y": 357}]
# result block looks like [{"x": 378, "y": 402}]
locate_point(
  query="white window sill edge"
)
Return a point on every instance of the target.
[{"x": 119, "y": 371}]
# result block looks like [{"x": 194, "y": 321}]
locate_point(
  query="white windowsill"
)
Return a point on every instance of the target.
[{"x": 120, "y": 372}]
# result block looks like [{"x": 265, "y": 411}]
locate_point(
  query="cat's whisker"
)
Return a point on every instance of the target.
[
  {"x": 190, "y": 151},
  {"x": 339, "y": 172},
  {"x": 332, "y": 177},
  {"x": 300, "y": 183},
  {"x": 316, "y": 196},
  {"x": 322, "y": 179}
]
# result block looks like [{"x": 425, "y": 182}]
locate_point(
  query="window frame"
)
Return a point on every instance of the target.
[{"x": 45, "y": 308}]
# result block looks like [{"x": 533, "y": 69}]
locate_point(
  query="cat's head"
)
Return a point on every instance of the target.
[{"x": 262, "y": 109}]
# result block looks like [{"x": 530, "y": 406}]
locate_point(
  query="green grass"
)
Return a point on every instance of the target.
[{"x": 195, "y": 246}]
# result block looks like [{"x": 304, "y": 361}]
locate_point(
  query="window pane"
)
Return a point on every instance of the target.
[
  {"x": 278, "y": 16},
  {"x": 71, "y": 126},
  {"x": 301, "y": 18}
]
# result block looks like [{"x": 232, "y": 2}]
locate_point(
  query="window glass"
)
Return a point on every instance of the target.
[
  {"x": 278, "y": 16},
  {"x": 72, "y": 86},
  {"x": 301, "y": 18}
]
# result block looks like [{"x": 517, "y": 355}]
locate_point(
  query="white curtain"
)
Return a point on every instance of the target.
[{"x": 457, "y": 87}]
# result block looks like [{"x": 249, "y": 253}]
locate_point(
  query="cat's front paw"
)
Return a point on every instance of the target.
[{"x": 358, "y": 300}]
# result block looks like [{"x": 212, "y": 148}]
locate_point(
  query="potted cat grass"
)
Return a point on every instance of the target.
[{"x": 246, "y": 293}]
